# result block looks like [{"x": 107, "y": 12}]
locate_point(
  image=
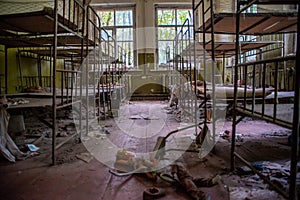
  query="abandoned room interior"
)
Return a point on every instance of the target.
[{"x": 149, "y": 99}]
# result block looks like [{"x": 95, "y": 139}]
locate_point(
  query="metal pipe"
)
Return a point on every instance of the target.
[
  {"x": 85, "y": 17},
  {"x": 253, "y": 88},
  {"x": 277, "y": 59},
  {"x": 266, "y": 118},
  {"x": 245, "y": 88},
  {"x": 245, "y": 7},
  {"x": 204, "y": 65},
  {"x": 264, "y": 89},
  {"x": 62, "y": 85},
  {"x": 20, "y": 70},
  {"x": 275, "y": 91},
  {"x": 224, "y": 68},
  {"x": 54, "y": 83},
  {"x": 234, "y": 117},
  {"x": 6, "y": 69}
]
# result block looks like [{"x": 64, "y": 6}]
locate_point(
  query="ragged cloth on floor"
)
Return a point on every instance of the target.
[
  {"x": 8, "y": 148},
  {"x": 191, "y": 184}
]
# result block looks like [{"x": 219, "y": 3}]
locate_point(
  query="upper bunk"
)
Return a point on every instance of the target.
[
  {"x": 257, "y": 17},
  {"x": 28, "y": 24},
  {"x": 66, "y": 40},
  {"x": 224, "y": 49},
  {"x": 252, "y": 23},
  {"x": 268, "y": 2},
  {"x": 25, "y": 18}
]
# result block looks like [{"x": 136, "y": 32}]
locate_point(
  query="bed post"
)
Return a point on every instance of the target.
[
  {"x": 296, "y": 123},
  {"x": 54, "y": 84},
  {"x": 232, "y": 164},
  {"x": 5, "y": 53}
]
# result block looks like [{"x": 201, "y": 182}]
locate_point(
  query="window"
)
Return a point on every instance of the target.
[
  {"x": 251, "y": 55},
  {"x": 252, "y": 9},
  {"x": 119, "y": 23},
  {"x": 169, "y": 22}
]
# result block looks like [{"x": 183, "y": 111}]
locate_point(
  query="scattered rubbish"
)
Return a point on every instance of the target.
[
  {"x": 226, "y": 135},
  {"x": 153, "y": 193},
  {"x": 138, "y": 170},
  {"x": 244, "y": 170},
  {"x": 32, "y": 147},
  {"x": 128, "y": 163},
  {"x": 191, "y": 184},
  {"x": 252, "y": 193},
  {"x": 277, "y": 173},
  {"x": 259, "y": 165},
  {"x": 143, "y": 116},
  {"x": 135, "y": 117},
  {"x": 105, "y": 130},
  {"x": 86, "y": 157},
  {"x": 62, "y": 134}
]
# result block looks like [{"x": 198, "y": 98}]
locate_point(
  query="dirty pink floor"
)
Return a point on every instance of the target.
[{"x": 35, "y": 178}]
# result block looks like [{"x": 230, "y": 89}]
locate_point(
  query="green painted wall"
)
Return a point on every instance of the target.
[{"x": 29, "y": 68}]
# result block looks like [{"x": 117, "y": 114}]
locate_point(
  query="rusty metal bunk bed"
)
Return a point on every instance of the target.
[
  {"x": 23, "y": 26},
  {"x": 286, "y": 26},
  {"x": 241, "y": 23},
  {"x": 67, "y": 33},
  {"x": 182, "y": 64}
]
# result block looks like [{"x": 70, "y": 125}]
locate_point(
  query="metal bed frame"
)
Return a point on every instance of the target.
[
  {"x": 217, "y": 23},
  {"x": 70, "y": 32}
]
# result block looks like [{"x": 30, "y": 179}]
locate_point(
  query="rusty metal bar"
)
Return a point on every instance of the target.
[
  {"x": 224, "y": 67},
  {"x": 253, "y": 87},
  {"x": 234, "y": 117},
  {"x": 65, "y": 141},
  {"x": 6, "y": 69},
  {"x": 67, "y": 70},
  {"x": 271, "y": 60},
  {"x": 213, "y": 71},
  {"x": 275, "y": 91},
  {"x": 264, "y": 89},
  {"x": 67, "y": 104},
  {"x": 62, "y": 86},
  {"x": 266, "y": 118},
  {"x": 54, "y": 82},
  {"x": 245, "y": 88},
  {"x": 296, "y": 120},
  {"x": 20, "y": 69},
  {"x": 204, "y": 64},
  {"x": 85, "y": 16}
]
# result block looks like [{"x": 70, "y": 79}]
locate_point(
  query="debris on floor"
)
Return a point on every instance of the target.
[
  {"x": 192, "y": 184},
  {"x": 85, "y": 156},
  {"x": 32, "y": 147},
  {"x": 128, "y": 162},
  {"x": 226, "y": 135},
  {"x": 91, "y": 177},
  {"x": 153, "y": 193},
  {"x": 249, "y": 185},
  {"x": 242, "y": 193}
]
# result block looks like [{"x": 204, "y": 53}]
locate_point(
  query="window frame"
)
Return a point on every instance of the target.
[
  {"x": 114, "y": 28},
  {"x": 176, "y": 25}
]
